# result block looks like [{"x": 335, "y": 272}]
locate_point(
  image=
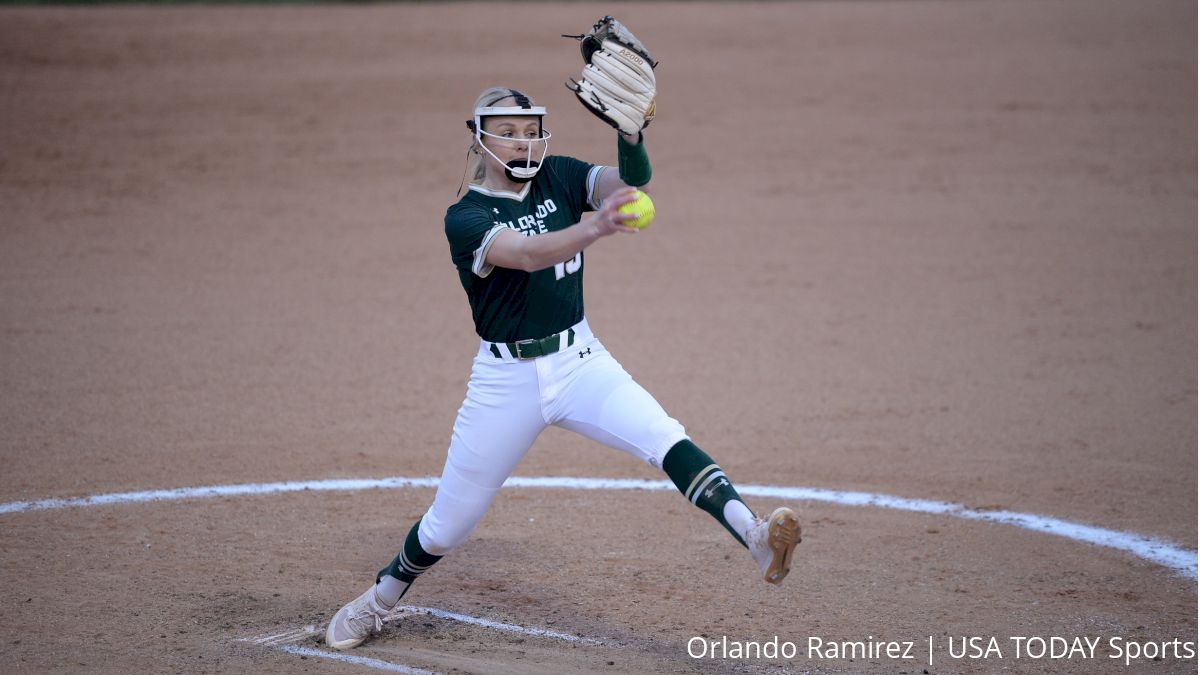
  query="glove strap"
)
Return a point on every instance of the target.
[{"x": 633, "y": 164}]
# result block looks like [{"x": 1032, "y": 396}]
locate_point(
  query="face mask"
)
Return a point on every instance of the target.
[{"x": 517, "y": 170}]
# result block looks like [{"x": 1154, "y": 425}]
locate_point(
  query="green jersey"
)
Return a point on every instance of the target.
[{"x": 509, "y": 304}]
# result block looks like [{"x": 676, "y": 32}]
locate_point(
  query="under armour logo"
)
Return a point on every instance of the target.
[
  {"x": 712, "y": 490},
  {"x": 583, "y": 354},
  {"x": 495, "y": 210}
]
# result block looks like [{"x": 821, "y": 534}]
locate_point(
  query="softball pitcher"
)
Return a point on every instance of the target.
[{"x": 517, "y": 239}]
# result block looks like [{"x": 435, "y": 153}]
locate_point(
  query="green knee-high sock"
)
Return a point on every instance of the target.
[
  {"x": 410, "y": 563},
  {"x": 704, "y": 484}
]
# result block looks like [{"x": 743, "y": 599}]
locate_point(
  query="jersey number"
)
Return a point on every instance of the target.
[{"x": 572, "y": 266}]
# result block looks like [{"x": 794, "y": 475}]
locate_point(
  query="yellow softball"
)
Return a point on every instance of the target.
[{"x": 642, "y": 207}]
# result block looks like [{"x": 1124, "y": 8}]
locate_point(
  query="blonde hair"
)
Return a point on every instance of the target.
[{"x": 488, "y": 97}]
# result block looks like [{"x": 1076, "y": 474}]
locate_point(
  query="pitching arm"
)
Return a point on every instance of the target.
[{"x": 513, "y": 250}]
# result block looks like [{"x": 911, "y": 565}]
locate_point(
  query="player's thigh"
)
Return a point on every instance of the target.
[
  {"x": 496, "y": 424},
  {"x": 608, "y": 406}
]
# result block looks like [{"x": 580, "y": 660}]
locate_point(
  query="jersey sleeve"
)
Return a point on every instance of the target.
[
  {"x": 470, "y": 232},
  {"x": 580, "y": 179},
  {"x": 593, "y": 199}
]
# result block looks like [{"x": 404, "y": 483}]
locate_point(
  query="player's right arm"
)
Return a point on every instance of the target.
[{"x": 514, "y": 250}]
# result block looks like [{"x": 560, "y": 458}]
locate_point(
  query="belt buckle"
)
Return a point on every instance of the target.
[{"x": 527, "y": 343}]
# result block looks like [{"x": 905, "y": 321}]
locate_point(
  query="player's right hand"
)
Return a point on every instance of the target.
[{"x": 609, "y": 220}]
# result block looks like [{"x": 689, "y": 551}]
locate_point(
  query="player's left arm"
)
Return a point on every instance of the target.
[
  {"x": 618, "y": 85},
  {"x": 611, "y": 178}
]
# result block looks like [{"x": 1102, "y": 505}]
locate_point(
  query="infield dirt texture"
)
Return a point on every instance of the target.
[{"x": 938, "y": 250}]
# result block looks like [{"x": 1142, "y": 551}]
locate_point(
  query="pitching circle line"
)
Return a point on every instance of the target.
[{"x": 1180, "y": 560}]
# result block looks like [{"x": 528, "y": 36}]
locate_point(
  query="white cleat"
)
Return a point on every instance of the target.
[
  {"x": 355, "y": 622},
  {"x": 772, "y": 543}
]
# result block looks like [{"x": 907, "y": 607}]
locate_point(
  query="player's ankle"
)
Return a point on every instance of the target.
[{"x": 389, "y": 590}]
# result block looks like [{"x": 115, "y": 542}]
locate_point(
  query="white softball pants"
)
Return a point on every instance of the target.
[{"x": 509, "y": 402}]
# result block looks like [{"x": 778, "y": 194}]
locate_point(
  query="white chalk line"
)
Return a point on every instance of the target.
[
  {"x": 218, "y": 491},
  {"x": 377, "y": 664},
  {"x": 285, "y": 641},
  {"x": 283, "y": 638},
  {"x": 1178, "y": 559},
  {"x": 499, "y": 625}
]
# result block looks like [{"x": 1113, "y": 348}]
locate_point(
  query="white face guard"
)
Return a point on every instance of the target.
[{"x": 518, "y": 170}]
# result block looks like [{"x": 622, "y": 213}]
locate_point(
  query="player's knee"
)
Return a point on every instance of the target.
[
  {"x": 439, "y": 537},
  {"x": 665, "y": 433}
]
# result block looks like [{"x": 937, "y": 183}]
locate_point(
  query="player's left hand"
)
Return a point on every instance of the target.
[{"x": 618, "y": 83}]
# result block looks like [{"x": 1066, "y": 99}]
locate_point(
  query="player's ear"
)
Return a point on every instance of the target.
[{"x": 474, "y": 142}]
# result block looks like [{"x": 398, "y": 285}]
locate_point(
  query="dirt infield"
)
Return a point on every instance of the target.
[{"x": 934, "y": 250}]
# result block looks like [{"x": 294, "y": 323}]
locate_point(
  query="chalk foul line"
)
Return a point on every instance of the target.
[{"x": 1176, "y": 558}]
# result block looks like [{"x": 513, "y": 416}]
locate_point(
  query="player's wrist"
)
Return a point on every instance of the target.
[
  {"x": 633, "y": 163},
  {"x": 595, "y": 227}
]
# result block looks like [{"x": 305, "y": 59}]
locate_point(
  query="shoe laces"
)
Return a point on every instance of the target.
[
  {"x": 756, "y": 540},
  {"x": 363, "y": 616},
  {"x": 757, "y": 532}
]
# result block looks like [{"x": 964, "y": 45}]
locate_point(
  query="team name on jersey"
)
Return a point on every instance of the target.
[{"x": 534, "y": 223}]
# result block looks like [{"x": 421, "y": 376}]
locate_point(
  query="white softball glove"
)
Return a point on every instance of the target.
[{"x": 617, "y": 84}]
